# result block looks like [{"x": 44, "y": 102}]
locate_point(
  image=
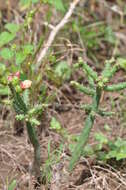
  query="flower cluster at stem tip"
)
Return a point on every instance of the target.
[{"x": 19, "y": 85}]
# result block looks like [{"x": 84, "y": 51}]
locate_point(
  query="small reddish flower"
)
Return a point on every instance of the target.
[
  {"x": 25, "y": 84},
  {"x": 17, "y": 74},
  {"x": 10, "y": 77}
]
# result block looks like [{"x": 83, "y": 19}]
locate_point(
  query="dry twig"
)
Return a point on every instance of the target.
[{"x": 54, "y": 32}]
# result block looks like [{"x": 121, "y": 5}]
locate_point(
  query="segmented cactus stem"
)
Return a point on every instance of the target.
[
  {"x": 21, "y": 108},
  {"x": 86, "y": 130}
]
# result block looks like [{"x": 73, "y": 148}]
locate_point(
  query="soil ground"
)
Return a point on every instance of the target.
[{"x": 16, "y": 153}]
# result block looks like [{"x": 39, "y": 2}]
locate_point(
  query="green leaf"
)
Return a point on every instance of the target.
[
  {"x": 75, "y": 138},
  {"x": 11, "y": 27},
  {"x": 28, "y": 49},
  {"x": 34, "y": 122},
  {"x": 58, "y": 4},
  {"x": 107, "y": 127},
  {"x": 22, "y": 54},
  {"x": 5, "y": 38},
  {"x": 6, "y": 53},
  {"x": 20, "y": 57},
  {"x": 122, "y": 63},
  {"x": 88, "y": 150},
  {"x": 98, "y": 147},
  {"x": 63, "y": 70},
  {"x": 120, "y": 156},
  {"x": 109, "y": 35},
  {"x": 26, "y": 3},
  {"x": 2, "y": 68},
  {"x": 101, "y": 138},
  {"x": 12, "y": 186},
  {"x": 101, "y": 155},
  {"x": 89, "y": 36},
  {"x": 54, "y": 124},
  {"x": 4, "y": 90},
  {"x": 35, "y": 1},
  {"x": 111, "y": 154},
  {"x": 120, "y": 142},
  {"x": 53, "y": 77}
]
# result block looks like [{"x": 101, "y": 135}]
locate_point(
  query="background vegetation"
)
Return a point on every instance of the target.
[{"x": 62, "y": 94}]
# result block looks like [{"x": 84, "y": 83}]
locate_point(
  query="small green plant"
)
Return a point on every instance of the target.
[
  {"x": 54, "y": 157},
  {"x": 106, "y": 150},
  {"x": 60, "y": 73},
  {"x": 58, "y": 4},
  {"x": 97, "y": 84},
  {"x": 56, "y": 126},
  {"x": 109, "y": 149}
]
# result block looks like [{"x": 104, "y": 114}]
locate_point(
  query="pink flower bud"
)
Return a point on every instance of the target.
[
  {"x": 10, "y": 77},
  {"x": 25, "y": 84},
  {"x": 17, "y": 74}
]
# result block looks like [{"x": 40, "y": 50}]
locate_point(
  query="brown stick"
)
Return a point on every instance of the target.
[{"x": 55, "y": 30}]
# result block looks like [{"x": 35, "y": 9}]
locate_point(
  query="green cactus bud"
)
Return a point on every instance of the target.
[
  {"x": 18, "y": 89},
  {"x": 15, "y": 80},
  {"x": 105, "y": 80}
]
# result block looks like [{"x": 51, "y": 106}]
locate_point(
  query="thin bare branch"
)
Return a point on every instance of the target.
[{"x": 55, "y": 30}]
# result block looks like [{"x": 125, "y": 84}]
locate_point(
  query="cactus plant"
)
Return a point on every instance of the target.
[
  {"x": 97, "y": 84},
  {"x": 21, "y": 108}
]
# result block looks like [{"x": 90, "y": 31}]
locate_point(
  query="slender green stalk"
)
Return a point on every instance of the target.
[
  {"x": 82, "y": 140},
  {"x": 86, "y": 130},
  {"x": 20, "y": 107},
  {"x": 34, "y": 141}
]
